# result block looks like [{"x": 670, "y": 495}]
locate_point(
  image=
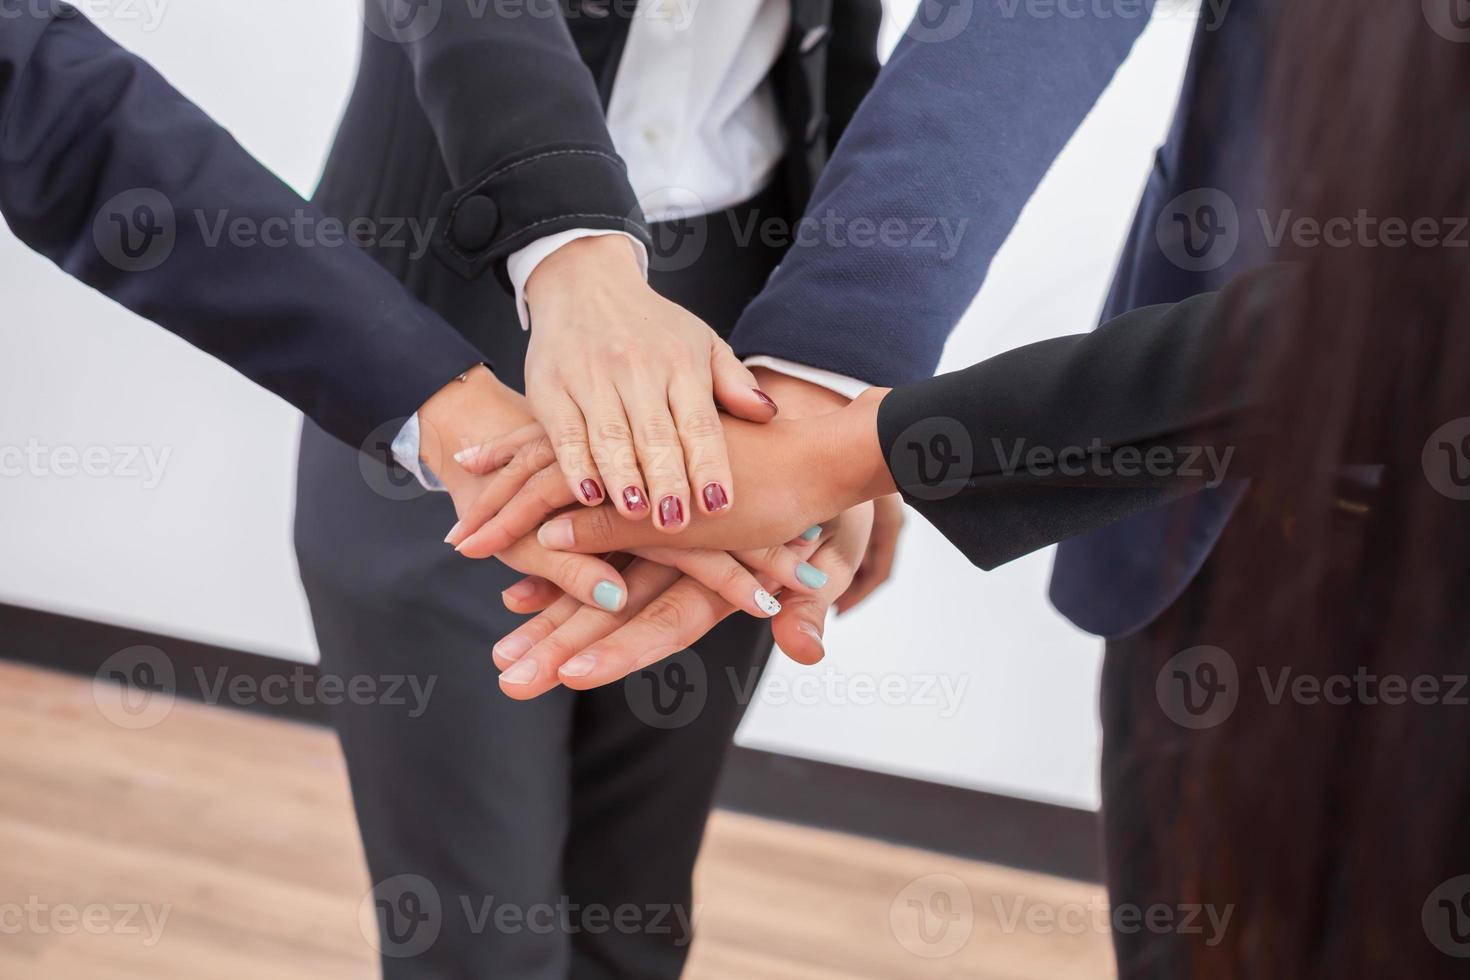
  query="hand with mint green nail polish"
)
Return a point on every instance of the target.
[
  {"x": 812, "y": 533},
  {"x": 609, "y": 596},
  {"x": 810, "y": 576}
]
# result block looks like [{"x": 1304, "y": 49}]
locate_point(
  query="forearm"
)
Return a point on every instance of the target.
[
  {"x": 120, "y": 180},
  {"x": 1068, "y": 435},
  {"x": 925, "y": 186}
]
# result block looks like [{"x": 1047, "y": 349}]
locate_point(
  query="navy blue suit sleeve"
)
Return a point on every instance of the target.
[
  {"x": 127, "y": 186},
  {"x": 928, "y": 180}
]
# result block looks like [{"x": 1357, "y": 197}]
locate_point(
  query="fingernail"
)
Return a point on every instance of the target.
[
  {"x": 466, "y": 456},
  {"x": 766, "y": 602},
  {"x": 670, "y": 512},
  {"x": 557, "y": 535},
  {"x": 512, "y": 648},
  {"x": 608, "y": 596},
  {"x": 808, "y": 575},
  {"x": 449, "y": 538},
  {"x": 591, "y": 492},
  {"x": 579, "y": 666},
  {"x": 812, "y": 533},
  {"x": 520, "y": 672},
  {"x": 715, "y": 498},
  {"x": 811, "y": 631},
  {"x": 523, "y": 589},
  {"x": 766, "y": 399},
  {"x": 634, "y": 500}
]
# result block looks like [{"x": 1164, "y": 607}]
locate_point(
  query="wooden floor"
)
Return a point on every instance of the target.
[{"x": 234, "y": 833}]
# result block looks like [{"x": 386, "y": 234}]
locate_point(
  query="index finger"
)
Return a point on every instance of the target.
[{"x": 668, "y": 624}]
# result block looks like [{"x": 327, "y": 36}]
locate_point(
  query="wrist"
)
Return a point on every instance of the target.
[
  {"x": 450, "y": 421},
  {"x": 605, "y": 262},
  {"x": 856, "y": 468}
]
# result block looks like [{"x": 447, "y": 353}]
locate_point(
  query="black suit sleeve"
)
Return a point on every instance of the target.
[
  {"x": 519, "y": 122},
  {"x": 126, "y": 185},
  {"x": 1065, "y": 436}
]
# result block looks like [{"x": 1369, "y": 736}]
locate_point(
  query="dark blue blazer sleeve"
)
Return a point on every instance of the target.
[
  {"x": 928, "y": 180},
  {"x": 126, "y": 185}
]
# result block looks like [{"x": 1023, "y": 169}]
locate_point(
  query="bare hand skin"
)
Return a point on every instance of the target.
[
  {"x": 583, "y": 648},
  {"x": 877, "y": 564},
  {"x": 626, "y": 384},
  {"x": 796, "y": 473},
  {"x": 479, "y": 410}
]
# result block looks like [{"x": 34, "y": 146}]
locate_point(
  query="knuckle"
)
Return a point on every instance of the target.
[
  {"x": 732, "y": 579},
  {"x": 659, "y": 430},
  {"x": 614, "y": 430},
  {"x": 700, "y": 423},
  {"x": 569, "y": 435},
  {"x": 664, "y": 615},
  {"x": 774, "y": 557}
]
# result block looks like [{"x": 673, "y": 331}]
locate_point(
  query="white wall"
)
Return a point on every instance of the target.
[{"x": 986, "y": 685}]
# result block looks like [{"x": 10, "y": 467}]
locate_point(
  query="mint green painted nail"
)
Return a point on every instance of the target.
[
  {"x": 812, "y": 533},
  {"x": 810, "y": 576},
  {"x": 610, "y": 597}
]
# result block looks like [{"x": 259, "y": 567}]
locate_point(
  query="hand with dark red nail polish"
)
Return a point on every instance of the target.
[
  {"x": 715, "y": 498},
  {"x": 634, "y": 500},
  {"x": 591, "y": 492},
  {"x": 670, "y": 512}
]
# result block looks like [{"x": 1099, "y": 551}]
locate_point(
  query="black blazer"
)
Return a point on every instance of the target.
[
  {"x": 121, "y": 181},
  {"x": 491, "y": 128},
  {"x": 1052, "y": 440}
]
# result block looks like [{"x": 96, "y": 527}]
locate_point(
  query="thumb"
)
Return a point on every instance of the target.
[
  {"x": 736, "y": 389},
  {"x": 491, "y": 455}
]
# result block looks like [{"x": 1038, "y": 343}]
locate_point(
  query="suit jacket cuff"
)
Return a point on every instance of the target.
[
  {"x": 529, "y": 197},
  {"x": 847, "y": 387}
]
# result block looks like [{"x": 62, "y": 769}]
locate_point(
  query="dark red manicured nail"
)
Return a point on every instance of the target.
[
  {"x": 591, "y": 492},
  {"x": 715, "y": 498},
  {"x": 770, "y": 403},
  {"x": 671, "y": 512},
  {"x": 634, "y": 500}
]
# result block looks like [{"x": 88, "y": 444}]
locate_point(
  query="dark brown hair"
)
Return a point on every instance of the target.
[{"x": 1330, "y": 827}]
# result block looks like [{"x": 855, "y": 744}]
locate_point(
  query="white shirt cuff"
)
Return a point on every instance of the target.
[
  {"x": 522, "y": 263},
  {"x": 849, "y": 388},
  {"x": 406, "y": 452}
]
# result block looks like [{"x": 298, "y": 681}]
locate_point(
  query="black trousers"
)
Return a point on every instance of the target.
[{"x": 530, "y": 841}]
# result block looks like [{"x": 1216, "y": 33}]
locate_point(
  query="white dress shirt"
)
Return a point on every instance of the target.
[{"x": 694, "y": 115}]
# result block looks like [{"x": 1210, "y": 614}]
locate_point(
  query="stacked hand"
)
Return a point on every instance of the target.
[
  {"x": 622, "y": 391},
  {"x": 802, "y": 527}
]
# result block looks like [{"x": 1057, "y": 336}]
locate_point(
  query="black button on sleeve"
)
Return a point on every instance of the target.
[{"x": 475, "y": 223}]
